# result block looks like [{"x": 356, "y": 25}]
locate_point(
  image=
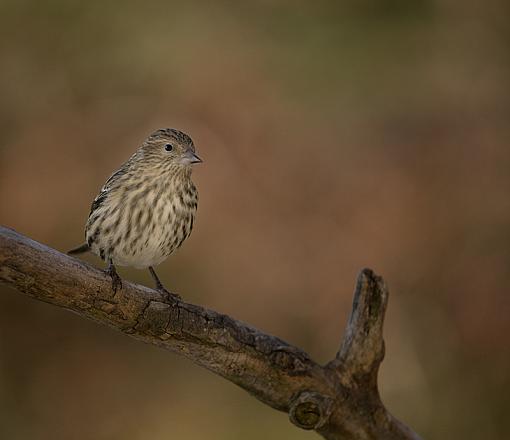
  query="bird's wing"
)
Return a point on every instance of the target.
[{"x": 109, "y": 184}]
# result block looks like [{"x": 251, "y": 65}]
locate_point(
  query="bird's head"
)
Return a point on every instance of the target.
[{"x": 169, "y": 146}]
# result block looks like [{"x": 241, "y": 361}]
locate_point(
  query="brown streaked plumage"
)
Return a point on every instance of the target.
[{"x": 146, "y": 209}]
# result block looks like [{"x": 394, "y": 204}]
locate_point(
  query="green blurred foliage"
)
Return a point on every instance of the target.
[{"x": 336, "y": 135}]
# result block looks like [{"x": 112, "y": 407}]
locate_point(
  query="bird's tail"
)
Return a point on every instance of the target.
[{"x": 79, "y": 250}]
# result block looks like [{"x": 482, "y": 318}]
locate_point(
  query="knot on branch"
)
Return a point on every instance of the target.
[{"x": 310, "y": 410}]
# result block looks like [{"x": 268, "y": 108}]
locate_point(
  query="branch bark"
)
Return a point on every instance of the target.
[{"x": 339, "y": 400}]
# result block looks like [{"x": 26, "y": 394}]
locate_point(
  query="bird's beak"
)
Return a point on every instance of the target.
[{"x": 191, "y": 157}]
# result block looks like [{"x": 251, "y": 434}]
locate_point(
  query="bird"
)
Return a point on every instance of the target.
[{"x": 146, "y": 209}]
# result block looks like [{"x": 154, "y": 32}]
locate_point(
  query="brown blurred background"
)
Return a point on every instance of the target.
[{"x": 335, "y": 135}]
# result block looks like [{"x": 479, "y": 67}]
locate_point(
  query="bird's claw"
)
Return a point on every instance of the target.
[
  {"x": 170, "y": 296},
  {"x": 116, "y": 279},
  {"x": 116, "y": 283}
]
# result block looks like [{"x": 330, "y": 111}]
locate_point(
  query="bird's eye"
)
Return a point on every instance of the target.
[{"x": 169, "y": 147}]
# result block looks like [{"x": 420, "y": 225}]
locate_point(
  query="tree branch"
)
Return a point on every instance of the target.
[{"x": 339, "y": 400}]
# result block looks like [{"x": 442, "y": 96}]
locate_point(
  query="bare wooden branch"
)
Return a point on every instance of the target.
[{"x": 339, "y": 400}]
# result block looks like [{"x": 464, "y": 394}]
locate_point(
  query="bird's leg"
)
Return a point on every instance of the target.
[
  {"x": 116, "y": 280},
  {"x": 159, "y": 286}
]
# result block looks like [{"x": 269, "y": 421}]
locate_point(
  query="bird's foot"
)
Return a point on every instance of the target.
[
  {"x": 116, "y": 279},
  {"x": 170, "y": 296}
]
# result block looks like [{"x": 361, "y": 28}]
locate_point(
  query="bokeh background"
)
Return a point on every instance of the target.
[{"x": 335, "y": 135}]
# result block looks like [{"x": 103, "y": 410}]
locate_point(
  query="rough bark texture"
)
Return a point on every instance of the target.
[{"x": 339, "y": 400}]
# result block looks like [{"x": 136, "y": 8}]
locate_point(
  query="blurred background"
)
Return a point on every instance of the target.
[{"x": 335, "y": 135}]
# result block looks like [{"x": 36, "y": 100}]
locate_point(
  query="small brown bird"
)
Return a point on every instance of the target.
[{"x": 146, "y": 209}]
